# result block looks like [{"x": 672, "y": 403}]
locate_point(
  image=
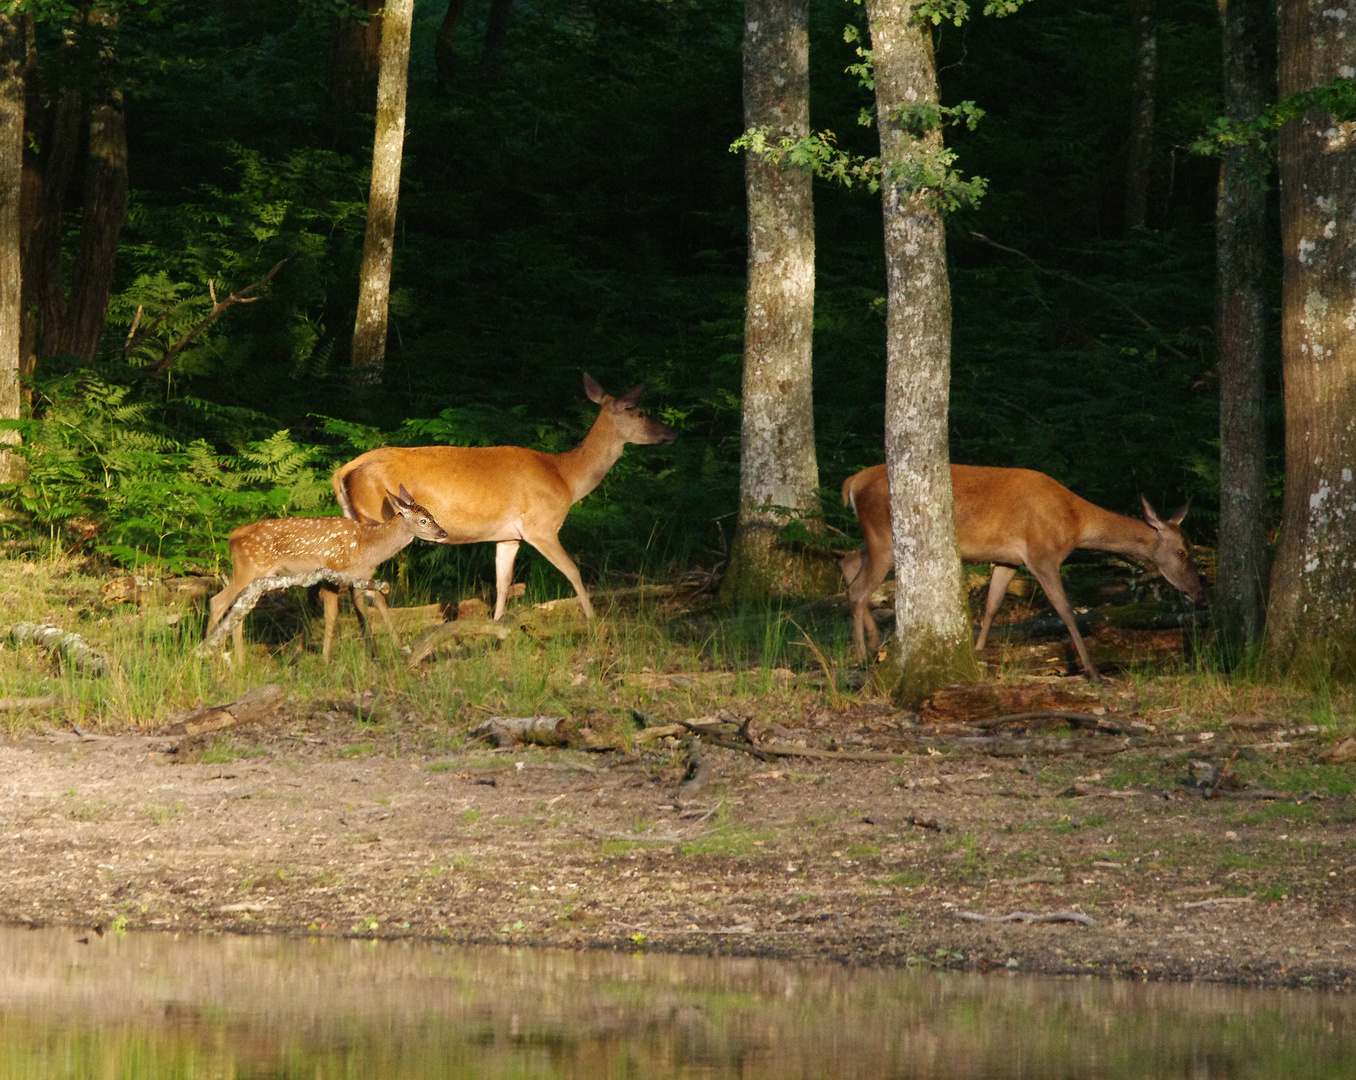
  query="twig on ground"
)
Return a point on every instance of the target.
[{"x": 1026, "y": 916}]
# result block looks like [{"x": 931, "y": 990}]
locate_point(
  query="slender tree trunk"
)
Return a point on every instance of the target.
[
  {"x": 444, "y": 56},
  {"x": 374, "y": 285},
  {"x": 496, "y": 34},
  {"x": 1240, "y": 236},
  {"x": 355, "y": 60},
  {"x": 1143, "y": 89},
  {"x": 105, "y": 204},
  {"x": 932, "y": 645},
  {"x": 13, "y": 54},
  {"x": 1311, "y": 614},
  {"x": 777, "y": 438}
]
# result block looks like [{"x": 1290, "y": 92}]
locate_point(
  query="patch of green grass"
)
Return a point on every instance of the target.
[
  {"x": 619, "y": 847},
  {"x": 441, "y": 766},
  {"x": 469, "y": 816},
  {"x": 163, "y": 815},
  {"x": 222, "y": 751},
  {"x": 907, "y": 879},
  {"x": 724, "y": 841},
  {"x": 861, "y": 851},
  {"x": 361, "y": 750}
]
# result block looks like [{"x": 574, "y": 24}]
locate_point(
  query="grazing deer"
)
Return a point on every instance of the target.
[
  {"x": 1011, "y": 518},
  {"x": 298, "y": 545},
  {"x": 504, "y": 494}
]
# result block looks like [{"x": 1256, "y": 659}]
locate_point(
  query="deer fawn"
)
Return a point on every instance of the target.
[
  {"x": 504, "y": 494},
  {"x": 1012, "y": 517},
  {"x": 297, "y": 545}
]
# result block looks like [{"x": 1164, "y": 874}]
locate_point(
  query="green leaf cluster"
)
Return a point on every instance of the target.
[{"x": 102, "y": 472}]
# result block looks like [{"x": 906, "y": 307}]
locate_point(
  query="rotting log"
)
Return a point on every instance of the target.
[
  {"x": 537, "y": 730},
  {"x": 431, "y": 641},
  {"x": 1090, "y": 721},
  {"x": 255, "y": 590},
  {"x": 1026, "y": 916},
  {"x": 259, "y": 704},
  {"x": 71, "y": 647}
]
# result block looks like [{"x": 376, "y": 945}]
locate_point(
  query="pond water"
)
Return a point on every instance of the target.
[{"x": 152, "y": 1005}]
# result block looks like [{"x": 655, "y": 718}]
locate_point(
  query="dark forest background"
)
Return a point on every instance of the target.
[{"x": 574, "y": 206}]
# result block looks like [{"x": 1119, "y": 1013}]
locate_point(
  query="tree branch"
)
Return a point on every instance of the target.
[
  {"x": 219, "y": 308},
  {"x": 1071, "y": 280},
  {"x": 255, "y": 590}
]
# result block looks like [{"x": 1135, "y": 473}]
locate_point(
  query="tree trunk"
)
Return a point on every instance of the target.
[
  {"x": 932, "y": 645},
  {"x": 1143, "y": 87},
  {"x": 1311, "y": 615},
  {"x": 496, "y": 34},
  {"x": 49, "y": 161},
  {"x": 444, "y": 56},
  {"x": 354, "y": 61},
  {"x": 777, "y": 438},
  {"x": 1240, "y": 236},
  {"x": 105, "y": 203},
  {"x": 374, "y": 285},
  {"x": 13, "y": 54}
]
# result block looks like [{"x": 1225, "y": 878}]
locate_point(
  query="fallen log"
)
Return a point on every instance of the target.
[
  {"x": 259, "y": 704},
  {"x": 430, "y": 642},
  {"x": 1086, "y": 720},
  {"x": 537, "y": 730},
  {"x": 71, "y": 647},
  {"x": 44, "y": 701},
  {"x": 255, "y": 590}
]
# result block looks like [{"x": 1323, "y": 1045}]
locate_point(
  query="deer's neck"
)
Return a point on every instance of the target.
[
  {"x": 386, "y": 539},
  {"x": 1105, "y": 531},
  {"x": 584, "y": 467}
]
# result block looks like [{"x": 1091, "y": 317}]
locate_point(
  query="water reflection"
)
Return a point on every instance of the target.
[{"x": 151, "y": 1006}]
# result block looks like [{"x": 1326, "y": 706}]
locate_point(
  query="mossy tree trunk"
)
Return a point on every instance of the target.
[
  {"x": 13, "y": 52},
  {"x": 1240, "y": 238},
  {"x": 354, "y": 60},
  {"x": 932, "y": 645},
  {"x": 374, "y": 282},
  {"x": 778, "y": 471},
  {"x": 1311, "y": 614}
]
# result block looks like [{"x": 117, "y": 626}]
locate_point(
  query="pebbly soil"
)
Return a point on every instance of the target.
[{"x": 321, "y": 824}]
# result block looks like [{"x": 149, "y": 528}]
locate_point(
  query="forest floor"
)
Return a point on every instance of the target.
[{"x": 334, "y": 819}]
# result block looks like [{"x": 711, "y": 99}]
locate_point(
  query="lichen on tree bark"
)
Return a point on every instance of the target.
[
  {"x": 778, "y": 467},
  {"x": 1311, "y": 614},
  {"x": 932, "y": 645}
]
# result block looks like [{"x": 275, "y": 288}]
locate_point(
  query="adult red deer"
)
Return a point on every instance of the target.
[
  {"x": 504, "y": 494},
  {"x": 298, "y": 545},
  {"x": 1012, "y": 518}
]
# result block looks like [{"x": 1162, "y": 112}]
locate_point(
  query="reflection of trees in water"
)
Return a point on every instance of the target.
[{"x": 231, "y": 1006}]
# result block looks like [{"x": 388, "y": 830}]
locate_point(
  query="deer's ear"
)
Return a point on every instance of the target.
[
  {"x": 628, "y": 400},
  {"x": 1178, "y": 517},
  {"x": 595, "y": 392},
  {"x": 1150, "y": 514},
  {"x": 405, "y": 495}
]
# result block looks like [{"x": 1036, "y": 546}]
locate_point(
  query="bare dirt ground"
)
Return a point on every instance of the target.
[{"x": 322, "y": 824}]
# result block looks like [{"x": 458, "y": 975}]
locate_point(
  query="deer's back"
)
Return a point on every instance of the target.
[
  {"x": 474, "y": 492},
  {"x": 1013, "y": 515},
  {"x": 296, "y": 545}
]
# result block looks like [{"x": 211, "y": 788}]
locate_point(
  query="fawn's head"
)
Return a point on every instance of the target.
[{"x": 419, "y": 520}]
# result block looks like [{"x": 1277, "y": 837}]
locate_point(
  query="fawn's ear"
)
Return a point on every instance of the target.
[
  {"x": 401, "y": 501},
  {"x": 405, "y": 495}
]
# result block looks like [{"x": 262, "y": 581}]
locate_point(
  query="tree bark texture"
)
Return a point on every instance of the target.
[
  {"x": 13, "y": 54},
  {"x": 1312, "y": 607},
  {"x": 932, "y": 646},
  {"x": 374, "y": 284},
  {"x": 355, "y": 60},
  {"x": 1143, "y": 90},
  {"x": 105, "y": 203},
  {"x": 496, "y": 35},
  {"x": 778, "y": 467},
  {"x": 1240, "y": 236},
  {"x": 444, "y": 56}
]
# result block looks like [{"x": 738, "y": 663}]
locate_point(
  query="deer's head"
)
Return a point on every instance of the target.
[
  {"x": 632, "y": 424},
  {"x": 1172, "y": 553}
]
